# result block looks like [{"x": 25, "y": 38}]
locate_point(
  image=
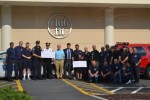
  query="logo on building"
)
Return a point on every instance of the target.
[{"x": 59, "y": 26}]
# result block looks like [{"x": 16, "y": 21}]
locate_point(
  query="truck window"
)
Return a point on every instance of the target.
[{"x": 141, "y": 51}]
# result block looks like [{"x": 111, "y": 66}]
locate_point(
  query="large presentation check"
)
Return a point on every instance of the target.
[
  {"x": 77, "y": 64},
  {"x": 47, "y": 54}
]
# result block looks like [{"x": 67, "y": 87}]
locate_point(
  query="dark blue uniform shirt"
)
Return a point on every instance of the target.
[
  {"x": 116, "y": 54},
  {"x": 95, "y": 55},
  {"x": 105, "y": 70},
  {"x": 76, "y": 53},
  {"x": 116, "y": 68},
  {"x": 93, "y": 69},
  {"x": 27, "y": 52},
  {"x": 108, "y": 55},
  {"x": 18, "y": 52},
  {"x": 135, "y": 58},
  {"x": 101, "y": 57},
  {"x": 37, "y": 50},
  {"x": 11, "y": 53}
]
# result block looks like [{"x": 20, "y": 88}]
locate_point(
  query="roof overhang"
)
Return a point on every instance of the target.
[{"x": 81, "y": 3}]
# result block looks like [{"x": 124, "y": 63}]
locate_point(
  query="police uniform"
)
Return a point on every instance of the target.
[
  {"x": 27, "y": 62},
  {"x": 116, "y": 69},
  {"x": 18, "y": 62},
  {"x": 37, "y": 61},
  {"x": 135, "y": 59},
  {"x": 47, "y": 67},
  {"x": 10, "y": 62}
]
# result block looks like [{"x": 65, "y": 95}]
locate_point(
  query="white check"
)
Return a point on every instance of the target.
[
  {"x": 47, "y": 54},
  {"x": 77, "y": 64}
]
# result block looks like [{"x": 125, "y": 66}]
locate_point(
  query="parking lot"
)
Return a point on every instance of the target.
[
  {"x": 66, "y": 89},
  {"x": 16, "y": 85}
]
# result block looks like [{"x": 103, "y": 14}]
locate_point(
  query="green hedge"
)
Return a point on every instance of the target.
[{"x": 10, "y": 94}]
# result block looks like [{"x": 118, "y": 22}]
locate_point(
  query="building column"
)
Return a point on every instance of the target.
[
  {"x": 6, "y": 19},
  {"x": 109, "y": 26}
]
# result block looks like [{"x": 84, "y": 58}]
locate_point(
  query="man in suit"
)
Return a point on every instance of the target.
[{"x": 68, "y": 61}]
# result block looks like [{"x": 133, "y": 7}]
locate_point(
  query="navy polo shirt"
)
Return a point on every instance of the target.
[
  {"x": 76, "y": 53},
  {"x": 93, "y": 69},
  {"x": 11, "y": 53},
  {"x": 135, "y": 58},
  {"x": 27, "y": 52},
  {"x": 18, "y": 52},
  {"x": 116, "y": 68},
  {"x": 116, "y": 54},
  {"x": 105, "y": 70},
  {"x": 108, "y": 55},
  {"x": 101, "y": 57}
]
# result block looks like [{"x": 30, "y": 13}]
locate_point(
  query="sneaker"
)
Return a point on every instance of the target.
[
  {"x": 129, "y": 82},
  {"x": 29, "y": 78},
  {"x": 24, "y": 79}
]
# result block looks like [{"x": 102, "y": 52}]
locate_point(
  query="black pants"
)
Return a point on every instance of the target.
[
  {"x": 18, "y": 69},
  {"x": 47, "y": 69},
  {"x": 68, "y": 67},
  {"x": 10, "y": 64},
  {"x": 136, "y": 73},
  {"x": 37, "y": 69}
]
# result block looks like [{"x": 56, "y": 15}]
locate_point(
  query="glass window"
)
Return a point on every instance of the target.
[
  {"x": 141, "y": 51},
  {"x": 3, "y": 56}
]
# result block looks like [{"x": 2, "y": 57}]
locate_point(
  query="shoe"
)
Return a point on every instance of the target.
[
  {"x": 24, "y": 79},
  {"x": 10, "y": 80},
  {"x": 129, "y": 82},
  {"x": 16, "y": 78},
  {"x": 40, "y": 78},
  {"x": 34, "y": 78},
  {"x": 29, "y": 78}
]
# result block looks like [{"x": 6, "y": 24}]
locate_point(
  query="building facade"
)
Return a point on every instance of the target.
[{"x": 92, "y": 22}]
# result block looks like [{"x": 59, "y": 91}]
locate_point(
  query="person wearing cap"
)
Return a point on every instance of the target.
[
  {"x": 36, "y": 53},
  {"x": 59, "y": 61},
  {"x": 27, "y": 55},
  {"x": 68, "y": 61},
  {"x": 18, "y": 61},
  {"x": 124, "y": 55},
  {"x": 76, "y": 53},
  {"x": 10, "y": 57},
  {"x": 47, "y": 68}
]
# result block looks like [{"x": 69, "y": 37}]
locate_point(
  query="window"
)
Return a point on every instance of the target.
[
  {"x": 3, "y": 56},
  {"x": 141, "y": 51}
]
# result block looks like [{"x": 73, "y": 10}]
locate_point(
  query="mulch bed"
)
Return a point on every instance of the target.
[{"x": 127, "y": 97}]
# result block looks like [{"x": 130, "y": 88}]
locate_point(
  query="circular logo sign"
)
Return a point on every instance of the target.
[{"x": 59, "y": 26}]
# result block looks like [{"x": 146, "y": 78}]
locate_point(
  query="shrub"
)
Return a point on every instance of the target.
[{"x": 10, "y": 94}]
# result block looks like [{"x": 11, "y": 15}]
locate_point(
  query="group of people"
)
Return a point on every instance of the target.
[{"x": 117, "y": 65}]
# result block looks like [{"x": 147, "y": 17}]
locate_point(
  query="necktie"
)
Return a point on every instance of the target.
[{"x": 68, "y": 54}]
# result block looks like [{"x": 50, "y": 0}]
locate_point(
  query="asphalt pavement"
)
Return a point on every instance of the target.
[{"x": 53, "y": 90}]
